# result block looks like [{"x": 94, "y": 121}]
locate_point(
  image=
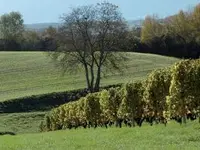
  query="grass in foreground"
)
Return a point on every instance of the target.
[
  {"x": 154, "y": 137},
  {"x": 31, "y": 73}
]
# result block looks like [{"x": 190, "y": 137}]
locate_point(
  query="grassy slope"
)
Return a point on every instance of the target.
[
  {"x": 21, "y": 122},
  {"x": 23, "y": 74},
  {"x": 31, "y": 73},
  {"x": 158, "y": 137}
]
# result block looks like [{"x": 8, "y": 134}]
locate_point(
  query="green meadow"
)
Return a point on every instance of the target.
[
  {"x": 32, "y": 73},
  {"x": 157, "y": 137}
]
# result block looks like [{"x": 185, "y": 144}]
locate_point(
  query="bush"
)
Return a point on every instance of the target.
[
  {"x": 157, "y": 87},
  {"x": 166, "y": 93},
  {"x": 132, "y": 105},
  {"x": 184, "y": 91}
]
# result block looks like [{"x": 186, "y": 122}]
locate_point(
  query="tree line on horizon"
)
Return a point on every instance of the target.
[
  {"x": 176, "y": 35},
  {"x": 14, "y": 36}
]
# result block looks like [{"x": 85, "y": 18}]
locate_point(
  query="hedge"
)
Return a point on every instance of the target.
[{"x": 44, "y": 102}]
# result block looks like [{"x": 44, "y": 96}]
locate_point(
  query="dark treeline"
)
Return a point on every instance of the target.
[
  {"x": 31, "y": 41},
  {"x": 176, "y": 35},
  {"x": 14, "y": 36}
]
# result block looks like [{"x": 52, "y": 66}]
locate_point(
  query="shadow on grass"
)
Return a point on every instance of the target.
[{"x": 7, "y": 133}]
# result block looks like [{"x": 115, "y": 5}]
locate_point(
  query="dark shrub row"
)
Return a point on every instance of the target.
[
  {"x": 7, "y": 133},
  {"x": 43, "y": 102}
]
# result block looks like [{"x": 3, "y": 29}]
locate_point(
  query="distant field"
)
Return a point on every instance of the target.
[
  {"x": 30, "y": 73},
  {"x": 157, "y": 137}
]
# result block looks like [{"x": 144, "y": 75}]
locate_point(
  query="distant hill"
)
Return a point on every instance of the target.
[
  {"x": 43, "y": 26},
  {"x": 135, "y": 23}
]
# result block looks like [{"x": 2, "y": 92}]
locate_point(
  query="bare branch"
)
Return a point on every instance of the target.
[{"x": 90, "y": 37}]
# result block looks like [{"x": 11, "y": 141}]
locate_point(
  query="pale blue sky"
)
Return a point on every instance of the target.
[{"x": 40, "y": 11}]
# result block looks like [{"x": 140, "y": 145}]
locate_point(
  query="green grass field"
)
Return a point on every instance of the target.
[
  {"x": 21, "y": 122},
  {"x": 31, "y": 73},
  {"x": 172, "y": 137}
]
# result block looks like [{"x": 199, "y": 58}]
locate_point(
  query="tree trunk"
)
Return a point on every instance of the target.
[
  {"x": 98, "y": 78},
  {"x": 198, "y": 115},
  {"x": 4, "y": 45},
  {"x": 87, "y": 77},
  {"x": 198, "y": 109},
  {"x": 92, "y": 78},
  {"x": 133, "y": 121},
  {"x": 199, "y": 119},
  {"x": 184, "y": 119}
]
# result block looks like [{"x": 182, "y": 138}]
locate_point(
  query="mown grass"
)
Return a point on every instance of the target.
[
  {"x": 31, "y": 73},
  {"x": 154, "y": 137},
  {"x": 21, "y": 122}
]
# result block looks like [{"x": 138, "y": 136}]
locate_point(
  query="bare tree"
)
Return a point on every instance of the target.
[{"x": 92, "y": 37}]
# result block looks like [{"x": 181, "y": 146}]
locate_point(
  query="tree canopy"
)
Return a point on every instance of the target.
[
  {"x": 91, "y": 37},
  {"x": 11, "y": 26}
]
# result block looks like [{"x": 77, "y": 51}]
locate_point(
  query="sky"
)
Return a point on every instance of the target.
[{"x": 46, "y": 11}]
